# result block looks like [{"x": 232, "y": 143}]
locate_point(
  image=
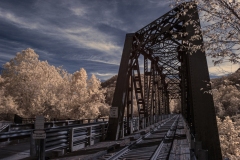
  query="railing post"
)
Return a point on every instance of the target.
[
  {"x": 33, "y": 152},
  {"x": 149, "y": 121},
  {"x": 137, "y": 123},
  {"x": 71, "y": 135},
  {"x": 89, "y": 135},
  {"x": 81, "y": 121},
  {"x": 103, "y": 132},
  {"x": 143, "y": 123},
  {"x": 41, "y": 153},
  {"x": 122, "y": 136},
  {"x": 9, "y": 129},
  {"x": 131, "y": 126}
]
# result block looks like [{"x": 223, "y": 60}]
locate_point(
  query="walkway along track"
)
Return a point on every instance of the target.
[{"x": 153, "y": 145}]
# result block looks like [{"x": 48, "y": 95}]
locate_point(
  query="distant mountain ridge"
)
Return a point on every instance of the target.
[
  {"x": 231, "y": 79},
  {"x": 110, "y": 84}
]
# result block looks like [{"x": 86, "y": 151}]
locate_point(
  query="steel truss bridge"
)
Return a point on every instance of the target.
[
  {"x": 168, "y": 52},
  {"x": 161, "y": 62}
]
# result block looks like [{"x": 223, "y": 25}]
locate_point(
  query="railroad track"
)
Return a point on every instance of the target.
[{"x": 153, "y": 145}]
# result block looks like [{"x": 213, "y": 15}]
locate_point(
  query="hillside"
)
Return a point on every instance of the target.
[
  {"x": 110, "y": 82},
  {"x": 231, "y": 79},
  {"x": 109, "y": 85},
  {"x": 226, "y": 93}
]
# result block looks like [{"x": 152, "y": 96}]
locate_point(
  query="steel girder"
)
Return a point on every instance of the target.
[{"x": 170, "y": 71}]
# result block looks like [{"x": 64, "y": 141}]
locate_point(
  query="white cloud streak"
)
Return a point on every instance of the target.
[
  {"x": 19, "y": 21},
  {"x": 103, "y": 76},
  {"x": 84, "y": 37},
  {"x": 92, "y": 39}
]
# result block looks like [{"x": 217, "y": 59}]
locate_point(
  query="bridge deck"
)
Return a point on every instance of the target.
[
  {"x": 150, "y": 145},
  {"x": 103, "y": 150}
]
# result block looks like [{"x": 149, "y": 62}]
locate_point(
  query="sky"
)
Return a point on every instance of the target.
[{"x": 78, "y": 34}]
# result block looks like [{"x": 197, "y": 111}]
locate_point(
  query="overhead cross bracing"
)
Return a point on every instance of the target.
[
  {"x": 174, "y": 66},
  {"x": 153, "y": 41}
]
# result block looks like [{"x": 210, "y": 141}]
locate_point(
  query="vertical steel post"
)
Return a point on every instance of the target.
[
  {"x": 130, "y": 129},
  {"x": 120, "y": 90},
  {"x": 203, "y": 112},
  {"x": 146, "y": 88}
]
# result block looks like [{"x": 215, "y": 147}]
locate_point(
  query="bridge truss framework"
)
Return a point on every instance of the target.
[{"x": 174, "y": 66}]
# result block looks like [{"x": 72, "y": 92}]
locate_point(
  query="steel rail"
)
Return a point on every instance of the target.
[{"x": 168, "y": 134}]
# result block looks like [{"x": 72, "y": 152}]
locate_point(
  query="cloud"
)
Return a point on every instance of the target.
[
  {"x": 160, "y": 3},
  {"x": 18, "y": 21},
  {"x": 6, "y": 56},
  {"x": 103, "y": 76},
  {"x": 87, "y": 37},
  {"x": 112, "y": 62},
  {"x": 79, "y": 11},
  {"x": 81, "y": 37},
  {"x": 94, "y": 58},
  {"x": 77, "y": 34}
]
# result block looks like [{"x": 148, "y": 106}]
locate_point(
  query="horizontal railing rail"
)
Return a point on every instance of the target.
[
  {"x": 77, "y": 137},
  {"x": 25, "y": 133},
  {"x": 32, "y": 120},
  {"x": 71, "y": 138},
  {"x": 19, "y": 131},
  {"x": 70, "y": 135},
  {"x": 81, "y": 137},
  {"x": 17, "y": 127}
]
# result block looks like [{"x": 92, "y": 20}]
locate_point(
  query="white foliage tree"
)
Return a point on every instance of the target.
[
  {"x": 35, "y": 85},
  {"x": 79, "y": 94},
  {"x": 7, "y": 102},
  {"x": 97, "y": 103},
  {"x": 220, "y": 21},
  {"x": 175, "y": 105},
  {"x": 31, "y": 87},
  {"x": 226, "y": 100},
  {"x": 229, "y": 138}
]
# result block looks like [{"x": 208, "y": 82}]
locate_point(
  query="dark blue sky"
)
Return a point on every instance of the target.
[{"x": 74, "y": 33}]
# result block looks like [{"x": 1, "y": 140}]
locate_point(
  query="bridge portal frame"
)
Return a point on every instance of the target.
[{"x": 178, "y": 69}]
